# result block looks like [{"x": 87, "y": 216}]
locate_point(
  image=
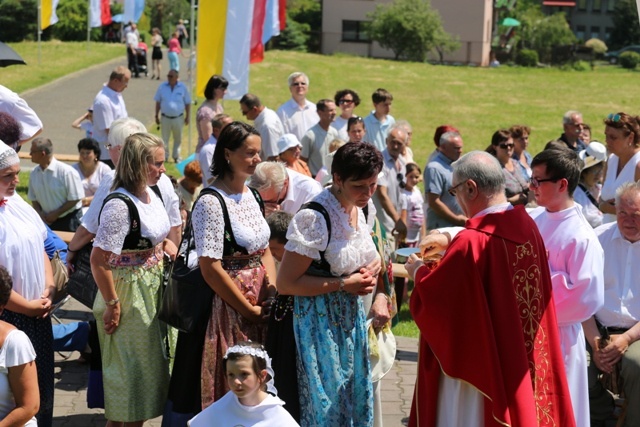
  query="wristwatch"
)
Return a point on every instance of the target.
[
  {"x": 112, "y": 302},
  {"x": 341, "y": 288}
]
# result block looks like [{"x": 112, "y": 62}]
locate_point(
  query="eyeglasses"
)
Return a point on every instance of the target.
[
  {"x": 535, "y": 182},
  {"x": 279, "y": 198},
  {"x": 506, "y": 146},
  {"x": 298, "y": 84},
  {"x": 614, "y": 117},
  {"x": 453, "y": 190},
  {"x": 345, "y": 101}
]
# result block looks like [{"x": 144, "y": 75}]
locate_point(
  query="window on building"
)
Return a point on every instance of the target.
[
  {"x": 607, "y": 33},
  {"x": 611, "y": 5},
  {"x": 595, "y": 32},
  {"x": 596, "y": 6},
  {"x": 580, "y": 31},
  {"x": 355, "y": 31},
  {"x": 582, "y": 4}
]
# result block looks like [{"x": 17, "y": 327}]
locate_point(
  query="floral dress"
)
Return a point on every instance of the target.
[
  {"x": 226, "y": 326},
  {"x": 134, "y": 364},
  {"x": 334, "y": 379}
]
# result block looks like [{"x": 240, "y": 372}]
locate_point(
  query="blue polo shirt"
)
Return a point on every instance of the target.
[
  {"x": 438, "y": 176},
  {"x": 172, "y": 101}
]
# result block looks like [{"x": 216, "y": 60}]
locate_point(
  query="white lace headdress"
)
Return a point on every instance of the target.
[
  {"x": 8, "y": 156},
  {"x": 257, "y": 352}
]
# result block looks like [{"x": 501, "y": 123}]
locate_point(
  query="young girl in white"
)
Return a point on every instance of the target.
[
  {"x": 411, "y": 201},
  {"x": 249, "y": 376}
]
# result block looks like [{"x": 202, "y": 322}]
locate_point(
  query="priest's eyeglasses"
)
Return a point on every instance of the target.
[{"x": 453, "y": 190}]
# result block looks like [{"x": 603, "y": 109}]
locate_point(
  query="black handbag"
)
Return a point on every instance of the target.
[
  {"x": 81, "y": 285},
  {"x": 187, "y": 300}
]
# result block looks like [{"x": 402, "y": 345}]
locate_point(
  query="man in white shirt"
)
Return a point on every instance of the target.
[
  {"x": 298, "y": 114},
  {"x": 387, "y": 196},
  {"x": 575, "y": 260},
  {"x": 315, "y": 143},
  {"x": 108, "y": 106},
  {"x": 620, "y": 315},
  {"x": 281, "y": 188},
  {"x": 173, "y": 102},
  {"x": 379, "y": 122},
  {"x": 131, "y": 38},
  {"x": 266, "y": 121},
  {"x": 55, "y": 188},
  {"x": 11, "y": 103},
  {"x": 205, "y": 156}
]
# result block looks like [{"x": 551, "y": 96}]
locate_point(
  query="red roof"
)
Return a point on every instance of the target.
[{"x": 560, "y": 3}]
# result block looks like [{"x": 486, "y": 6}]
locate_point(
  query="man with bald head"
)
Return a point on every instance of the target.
[
  {"x": 387, "y": 195},
  {"x": 489, "y": 348}
]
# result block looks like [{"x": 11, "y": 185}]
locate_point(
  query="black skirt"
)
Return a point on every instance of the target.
[{"x": 157, "y": 53}]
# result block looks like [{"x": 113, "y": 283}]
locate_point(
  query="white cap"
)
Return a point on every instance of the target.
[
  {"x": 8, "y": 156},
  {"x": 594, "y": 153},
  {"x": 287, "y": 141}
]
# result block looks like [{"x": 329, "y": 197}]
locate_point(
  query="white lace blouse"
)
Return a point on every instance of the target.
[
  {"x": 249, "y": 227},
  {"x": 348, "y": 250},
  {"x": 115, "y": 223}
]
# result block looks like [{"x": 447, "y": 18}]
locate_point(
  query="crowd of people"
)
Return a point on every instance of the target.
[{"x": 294, "y": 222}]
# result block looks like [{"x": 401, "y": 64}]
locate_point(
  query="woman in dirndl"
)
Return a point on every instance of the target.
[
  {"x": 129, "y": 277},
  {"x": 325, "y": 267}
]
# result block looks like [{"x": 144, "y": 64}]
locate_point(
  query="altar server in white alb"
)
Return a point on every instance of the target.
[{"x": 576, "y": 262}]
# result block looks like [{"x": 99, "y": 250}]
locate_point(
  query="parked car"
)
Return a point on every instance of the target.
[{"x": 612, "y": 56}]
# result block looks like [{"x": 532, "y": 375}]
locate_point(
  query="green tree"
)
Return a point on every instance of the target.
[
  {"x": 308, "y": 15},
  {"x": 626, "y": 29},
  {"x": 18, "y": 20},
  {"x": 72, "y": 22},
  {"x": 164, "y": 14},
  {"x": 409, "y": 28},
  {"x": 295, "y": 36},
  {"x": 542, "y": 32}
]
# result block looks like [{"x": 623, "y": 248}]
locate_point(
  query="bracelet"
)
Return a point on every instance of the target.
[
  {"x": 69, "y": 250},
  {"x": 112, "y": 302},
  {"x": 341, "y": 284},
  {"x": 385, "y": 296}
]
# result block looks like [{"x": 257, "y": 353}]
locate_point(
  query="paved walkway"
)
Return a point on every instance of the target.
[{"x": 71, "y": 383}]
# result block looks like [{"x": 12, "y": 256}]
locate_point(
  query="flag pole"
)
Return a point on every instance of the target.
[
  {"x": 191, "y": 66},
  {"x": 39, "y": 28},
  {"x": 88, "y": 24}
]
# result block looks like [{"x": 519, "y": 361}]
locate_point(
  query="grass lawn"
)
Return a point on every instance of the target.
[
  {"x": 57, "y": 58},
  {"x": 478, "y": 101}
]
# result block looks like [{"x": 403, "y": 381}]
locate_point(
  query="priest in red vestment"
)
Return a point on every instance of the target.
[{"x": 489, "y": 347}]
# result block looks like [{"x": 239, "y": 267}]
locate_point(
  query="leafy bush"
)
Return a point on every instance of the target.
[
  {"x": 72, "y": 22},
  {"x": 527, "y": 58},
  {"x": 597, "y": 46},
  {"x": 581, "y": 66},
  {"x": 629, "y": 60},
  {"x": 18, "y": 20}
]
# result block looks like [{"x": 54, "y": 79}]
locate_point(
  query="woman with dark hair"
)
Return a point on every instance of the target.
[
  {"x": 517, "y": 187},
  {"x": 347, "y": 100},
  {"x": 236, "y": 262},
  {"x": 90, "y": 168},
  {"x": 520, "y": 135},
  {"x": 19, "y": 396},
  {"x": 127, "y": 264},
  {"x": 622, "y": 133},
  {"x": 10, "y": 130},
  {"x": 214, "y": 93},
  {"x": 324, "y": 267}
]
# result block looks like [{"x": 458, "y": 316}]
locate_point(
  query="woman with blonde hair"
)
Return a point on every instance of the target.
[{"x": 127, "y": 265}]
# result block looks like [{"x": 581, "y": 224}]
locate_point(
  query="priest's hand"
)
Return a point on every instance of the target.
[
  {"x": 612, "y": 353},
  {"x": 412, "y": 265},
  {"x": 434, "y": 242}
]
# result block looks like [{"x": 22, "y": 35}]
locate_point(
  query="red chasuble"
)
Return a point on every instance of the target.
[{"x": 486, "y": 317}]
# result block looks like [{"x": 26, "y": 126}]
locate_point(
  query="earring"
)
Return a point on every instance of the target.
[
  {"x": 339, "y": 191},
  {"x": 228, "y": 161}
]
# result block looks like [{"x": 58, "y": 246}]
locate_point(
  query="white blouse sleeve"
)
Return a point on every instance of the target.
[
  {"x": 208, "y": 227},
  {"x": 308, "y": 234},
  {"x": 18, "y": 349},
  {"x": 114, "y": 226}
]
